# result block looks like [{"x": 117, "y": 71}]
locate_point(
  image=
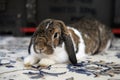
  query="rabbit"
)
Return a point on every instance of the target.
[{"x": 55, "y": 42}]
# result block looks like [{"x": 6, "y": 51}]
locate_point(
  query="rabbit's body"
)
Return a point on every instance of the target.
[
  {"x": 54, "y": 42},
  {"x": 97, "y": 37}
]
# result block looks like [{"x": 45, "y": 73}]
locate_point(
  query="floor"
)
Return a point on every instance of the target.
[{"x": 98, "y": 67}]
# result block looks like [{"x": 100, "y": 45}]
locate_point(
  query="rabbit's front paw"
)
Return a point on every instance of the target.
[
  {"x": 46, "y": 62},
  {"x": 30, "y": 60}
]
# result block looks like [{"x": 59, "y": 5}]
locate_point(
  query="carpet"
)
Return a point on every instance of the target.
[{"x": 13, "y": 50}]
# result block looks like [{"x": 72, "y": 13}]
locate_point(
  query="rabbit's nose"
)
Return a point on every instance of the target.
[{"x": 41, "y": 49}]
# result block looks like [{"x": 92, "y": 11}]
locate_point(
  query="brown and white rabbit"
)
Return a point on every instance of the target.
[{"x": 54, "y": 42}]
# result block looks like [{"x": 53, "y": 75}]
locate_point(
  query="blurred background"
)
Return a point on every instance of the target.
[{"x": 20, "y": 17}]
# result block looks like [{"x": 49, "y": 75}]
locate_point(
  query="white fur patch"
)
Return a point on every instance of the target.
[
  {"x": 30, "y": 60},
  {"x": 46, "y": 62},
  {"x": 59, "y": 55},
  {"x": 48, "y": 24},
  {"x": 108, "y": 45}
]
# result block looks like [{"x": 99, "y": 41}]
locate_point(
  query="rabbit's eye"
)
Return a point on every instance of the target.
[
  {"x": 56, "y": 35},
  {"x": 50, "y": 30}
]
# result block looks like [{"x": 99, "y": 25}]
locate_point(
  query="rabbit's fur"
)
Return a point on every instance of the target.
[
  {"x": 54, "y": 42},
  {"x": 95, "y": 34}
]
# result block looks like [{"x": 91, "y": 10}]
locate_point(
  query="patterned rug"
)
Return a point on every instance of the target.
[{"x": 98, "y": 67}]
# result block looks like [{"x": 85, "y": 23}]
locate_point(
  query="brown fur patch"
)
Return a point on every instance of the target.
[{"x": 91, "y": 43}]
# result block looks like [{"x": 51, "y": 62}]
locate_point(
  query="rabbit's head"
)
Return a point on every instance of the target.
[{"x": 50, "y": 34}]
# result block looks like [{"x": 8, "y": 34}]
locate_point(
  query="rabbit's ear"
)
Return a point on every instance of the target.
[
  {"x": 68, "y": 43},
  {"x": 69, "y": 48},
  {"x": 32, "y": 41},
  {"x": 29, "y": 47},
  {"x": 30, "y": 44}
]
